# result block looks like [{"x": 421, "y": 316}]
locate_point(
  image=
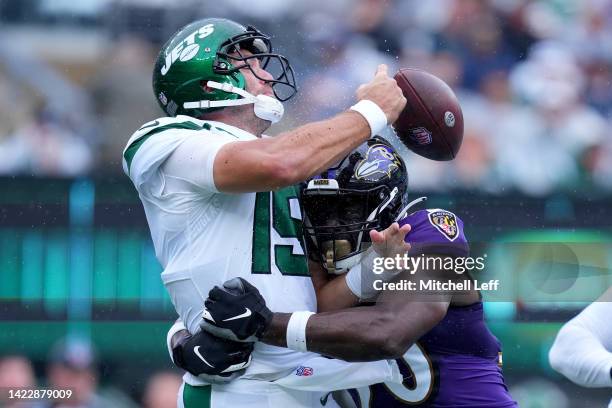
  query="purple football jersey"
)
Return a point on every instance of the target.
[{"x": 457, "y": 363}]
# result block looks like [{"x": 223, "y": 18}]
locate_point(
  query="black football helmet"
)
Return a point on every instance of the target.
[{"x": 367, "y": 190}]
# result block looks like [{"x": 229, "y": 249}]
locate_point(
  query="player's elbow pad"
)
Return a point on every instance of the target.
[
  {"x": 556, "y": 358},
  {"x": 560, "y": 355},
  {"x": 580, "y": 362}
]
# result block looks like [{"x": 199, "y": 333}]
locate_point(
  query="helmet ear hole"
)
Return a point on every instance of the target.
[{"x": 222, "y": 66}]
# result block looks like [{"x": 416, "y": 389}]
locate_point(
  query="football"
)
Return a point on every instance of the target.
[{"x": 431, "y": 124}]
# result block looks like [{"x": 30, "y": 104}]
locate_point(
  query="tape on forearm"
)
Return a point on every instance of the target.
[
  {"x": 353, "y": 280},
  {"x": 361, "y": 277},
  {"x": 373, "y": 114},
  {"x": 363, "y": 286},
  {"x": 296, "y": 331}
]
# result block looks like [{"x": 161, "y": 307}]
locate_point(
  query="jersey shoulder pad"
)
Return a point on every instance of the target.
[
  {"x": 155, "y": 127},
  {"x": 436, "y": 230}
]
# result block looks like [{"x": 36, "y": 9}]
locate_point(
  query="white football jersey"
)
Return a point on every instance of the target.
[{"x": 203, "y": 237}]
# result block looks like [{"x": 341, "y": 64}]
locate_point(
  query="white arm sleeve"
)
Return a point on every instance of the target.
[
  {"x": 193, "y": 161},
  {"x": 582, "y": 350}
]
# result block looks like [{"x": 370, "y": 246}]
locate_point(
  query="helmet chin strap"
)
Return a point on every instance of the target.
[{"x": 264, "y": 106}]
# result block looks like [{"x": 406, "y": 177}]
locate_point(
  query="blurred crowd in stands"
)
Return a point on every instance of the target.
[
  {"x": 534, "y": 78},
  {"x": 72, "y": 365}
]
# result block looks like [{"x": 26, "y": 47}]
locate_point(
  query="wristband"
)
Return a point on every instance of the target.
[
  {"x": 372, "y": 113},
  {"x": 296, "y": 330},
  {"x": 176, "y": 327}
]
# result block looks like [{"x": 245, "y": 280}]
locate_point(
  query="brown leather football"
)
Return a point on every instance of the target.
[{"x": 431, "y": 124}]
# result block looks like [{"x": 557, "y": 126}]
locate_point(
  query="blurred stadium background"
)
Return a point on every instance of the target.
[{"x": 76, "y": 262}]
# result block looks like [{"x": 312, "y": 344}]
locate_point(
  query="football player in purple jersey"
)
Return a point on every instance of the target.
[{"x": 447, "y": 355}]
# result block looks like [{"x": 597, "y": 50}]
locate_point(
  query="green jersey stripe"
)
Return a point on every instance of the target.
[{"x": 197, "y": 397}]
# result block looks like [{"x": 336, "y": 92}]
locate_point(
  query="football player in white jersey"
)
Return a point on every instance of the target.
[
  {"x": 582, "y": 350},
  {"x": 219, "y": 198}
]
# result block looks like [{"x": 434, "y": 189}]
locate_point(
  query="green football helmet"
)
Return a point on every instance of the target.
[{"x": 200, "y": 52}]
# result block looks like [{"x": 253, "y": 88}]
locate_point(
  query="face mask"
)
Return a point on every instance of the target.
[{"x": 264, "y": 106}]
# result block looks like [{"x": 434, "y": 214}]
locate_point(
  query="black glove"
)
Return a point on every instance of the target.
[
  {"x": 237, "y": 311},
  {"x": 206, "y": 355}
]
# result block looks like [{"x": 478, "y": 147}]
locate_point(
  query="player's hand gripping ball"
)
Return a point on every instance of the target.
[{"x": 431, "y": 124}]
